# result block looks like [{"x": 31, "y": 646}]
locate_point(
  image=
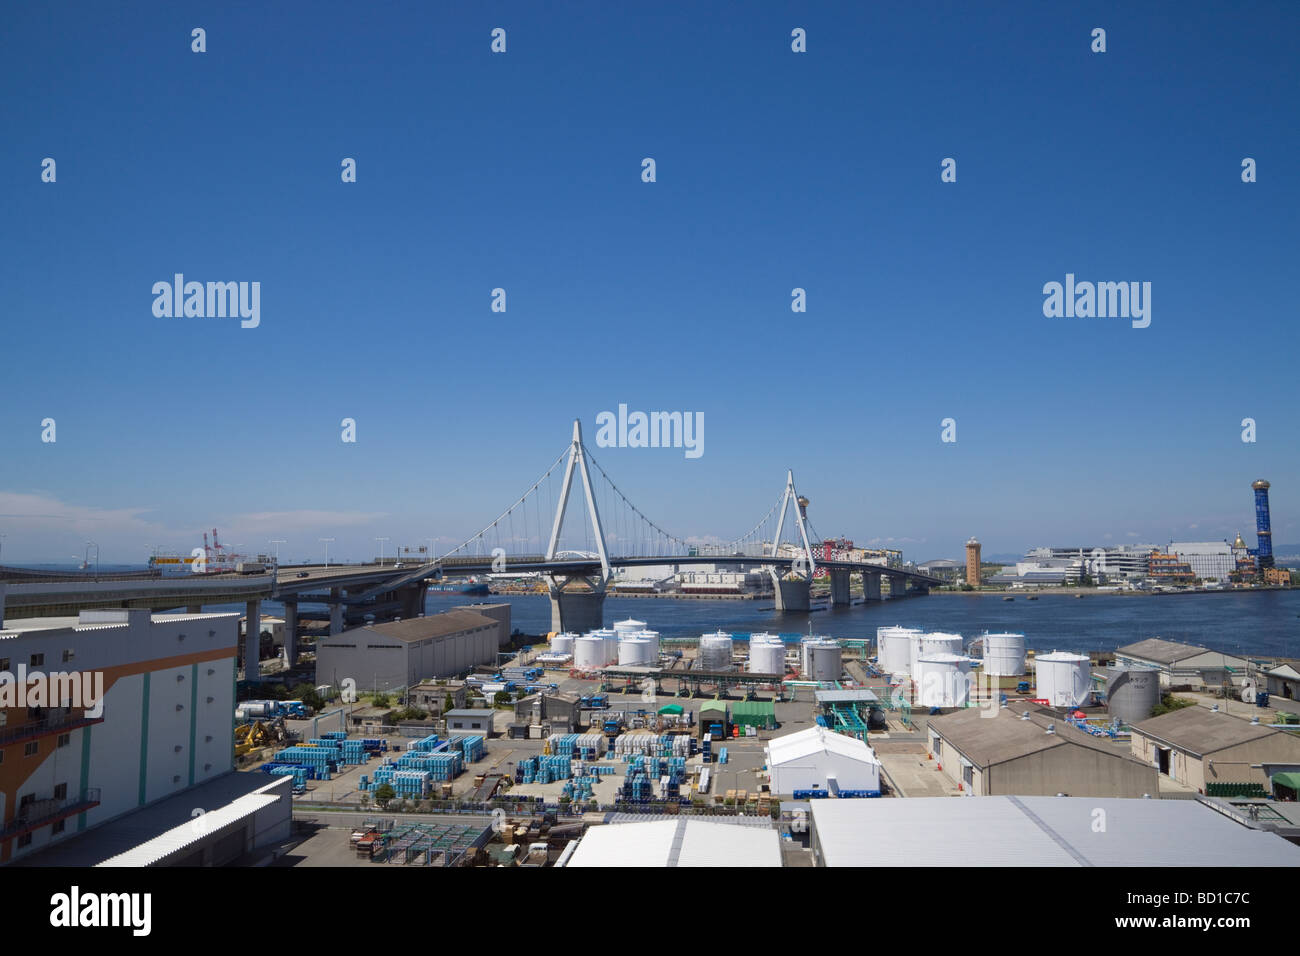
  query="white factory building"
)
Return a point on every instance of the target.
[
  {"x": 137, "y": 707},
  {"x": 820, "y": 759},
  {"x": 1209, "y": 560}
]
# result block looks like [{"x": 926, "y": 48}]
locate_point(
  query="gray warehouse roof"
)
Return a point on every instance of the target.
[
  {"x": 986, "y": 741},
  {"x": 423, "y": 628},
  {"x": 1161, "y": 651},
  {"x": 1201, "y": 731},
  {"x": 1039, "y": 831}
]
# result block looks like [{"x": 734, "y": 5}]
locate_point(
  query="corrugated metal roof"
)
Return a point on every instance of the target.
[
  {"x": 684, "y": 841},
  {"x": 1161, "y": 651},
  {"x": 816, "y": 740},
  {"x": 992, "y": 740},
  {"x": 177, "y": 838},
  {"x": 1039, "y": 831},
  {"x": 419, "y": 628},
  {"x": 1201, "y": 731}
]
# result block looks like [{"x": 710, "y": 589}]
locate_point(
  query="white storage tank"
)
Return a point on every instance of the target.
[
  {"x": 820, "y": 659},
  {"x": 766, "y": 654},
  {"x": 589, "y": 652},
  {"x": 715, "y": 652},
  {"x": 629, "y": 627},
  {"x": 894, "y": 649},
  {"x": 1004, "y": 655},
  {"x": 653, "y": 638},
  {"x": 1063, "y": 679},
  {"x": 563, "y": 643},
  {"x": 610, "y": 637},
  {"x": 942, "y": 680},
  {"x": 635, "y": 652},
  {"x": 933, "y": 642}
]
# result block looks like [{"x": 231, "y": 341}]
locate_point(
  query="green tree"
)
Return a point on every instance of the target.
[
  {"x": 383, "y": 794},
  {"x": 307, "y": 694},
  {"x": 448, "y": 703}
]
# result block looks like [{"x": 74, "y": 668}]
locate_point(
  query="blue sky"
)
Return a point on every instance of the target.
[{"x": 522, "y": 171}]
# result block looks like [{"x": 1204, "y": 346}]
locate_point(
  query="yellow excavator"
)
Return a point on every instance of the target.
[{"x": 249, "y": 737}]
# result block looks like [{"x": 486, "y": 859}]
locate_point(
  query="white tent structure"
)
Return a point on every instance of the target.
[{"x": 820, "y": 759}]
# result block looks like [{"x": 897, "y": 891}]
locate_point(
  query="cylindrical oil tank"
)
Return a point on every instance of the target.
[
  {"x": 894, "y": 649},
  {"x": 1004, "y": 655},
  {"x": 628, "y": 627},
  {"x": 563, "y": 643},
  {"x": 653, "y": 638},
  {"x": 635, "y": 652},
  {"x": 715, "y": 652},
  {"x": 821, "y": 659},
  {"x": 766, "y": 654},
  {"x": 1063, "y": 679},
  {"x": 942, "y": 680},
  {"x": 610, "y": 637},
  {"x": 1132, "y": 692},
  {"x": 933, "y": 642},
  {"x": 589, "y": 652}
]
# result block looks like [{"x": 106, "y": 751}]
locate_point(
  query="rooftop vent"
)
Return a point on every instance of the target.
[{"x": 1051, "y": 728}]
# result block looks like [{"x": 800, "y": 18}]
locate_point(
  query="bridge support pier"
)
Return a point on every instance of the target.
[
  {"x": 870, "y": 586},
  {"x": 336, "y": 611},
  {"x": 291, "y": 632},
  {"x": 839, "y": 586},
  {"x": 577, "y": 611},
  {"x": 253, "y": 640},
  {"x": 412, "y": 599},
  {"x": 791, "y": 595},
  {"x": 897, "y": 586}
]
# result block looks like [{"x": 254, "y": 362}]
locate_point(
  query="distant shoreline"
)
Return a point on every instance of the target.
[{"x": 1093, "y": 592}]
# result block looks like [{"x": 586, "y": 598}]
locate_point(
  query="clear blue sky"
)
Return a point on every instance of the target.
[{"x": 775, "y": 170}]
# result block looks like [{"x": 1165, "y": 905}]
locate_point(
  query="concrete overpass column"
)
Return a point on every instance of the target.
[
  {"x": 897, "y": 586},
  {"x": 336, "y": 610},
  {"x": 291, "y": 632},
  {"x": 412, "y": 598},
  {"x": 792, "y": 595},
  {"x": 253, "y": 640},
  {"x": 576, "y": 611},
  {"x": 839, "y": 586},
  {"x": 871, "y": 585}
]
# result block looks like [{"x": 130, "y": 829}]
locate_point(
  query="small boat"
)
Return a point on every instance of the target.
[
  {"x": 1008, "y": 598},
  {"x": 1032, "y": 597}
]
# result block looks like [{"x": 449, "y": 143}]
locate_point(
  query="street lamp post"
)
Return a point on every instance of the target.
[
  {"x": 277, "y": 542},
  {"x": 327, "y": 550},
  {"x": 89, "y": 545},
  {"x": 381, "y": 550}
]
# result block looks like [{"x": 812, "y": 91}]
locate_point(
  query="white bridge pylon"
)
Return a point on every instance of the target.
[
  {"x": 803, "y": 566},
  {"x": 578, "y": 461}
]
